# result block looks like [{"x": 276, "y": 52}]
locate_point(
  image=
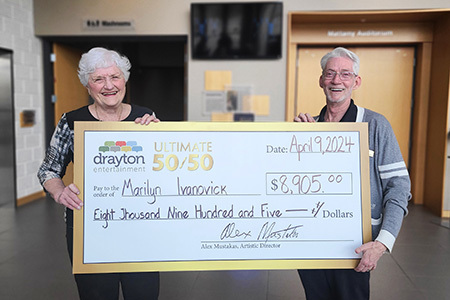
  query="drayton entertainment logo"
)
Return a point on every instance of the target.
[{"x": 119, "y": 153}]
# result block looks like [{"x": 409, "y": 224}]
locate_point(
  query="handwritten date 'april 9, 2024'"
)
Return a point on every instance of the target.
[{"x": 317, "y": 144}]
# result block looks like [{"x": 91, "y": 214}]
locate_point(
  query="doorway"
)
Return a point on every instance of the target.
[
  {"x": 387, "y": 85},
  {"x": 158, "y": 70},
  {"x": 427, "y": 31},
  {"x": 7, "y": 148}
]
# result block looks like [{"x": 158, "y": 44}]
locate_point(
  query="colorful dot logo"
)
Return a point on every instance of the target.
[{"x": 120, "y": 146}]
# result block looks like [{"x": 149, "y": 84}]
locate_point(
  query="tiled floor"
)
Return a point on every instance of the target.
[{"x": 34, "y": 264}]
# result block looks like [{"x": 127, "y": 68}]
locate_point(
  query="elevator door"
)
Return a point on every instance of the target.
[
  {"x": 7, "y": 159},
  {"x": 387, "y": 84}
]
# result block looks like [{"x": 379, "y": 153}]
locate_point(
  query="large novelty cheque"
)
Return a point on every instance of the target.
[{"x": 220, "y": 196}]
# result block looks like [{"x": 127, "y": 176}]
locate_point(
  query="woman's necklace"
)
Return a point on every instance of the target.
[{"x": 119, "y": 115}]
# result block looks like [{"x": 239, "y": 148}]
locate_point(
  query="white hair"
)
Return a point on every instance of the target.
[
  {"x": 101, "y": 58},
  {"x": 341, "y": 52}
]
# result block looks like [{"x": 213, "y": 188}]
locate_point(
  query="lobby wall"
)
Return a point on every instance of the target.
[
  {"x": 17, "y": 35},
  {"x": 21, "y": 20}
]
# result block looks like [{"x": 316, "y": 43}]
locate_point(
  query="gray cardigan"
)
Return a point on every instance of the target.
[
  {"x": 389, "y": 179},
  {"x": 390, "y": 185}
]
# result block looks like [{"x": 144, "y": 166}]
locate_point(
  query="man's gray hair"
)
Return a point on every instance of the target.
[
  {"x": 341, "y": 52},
  {"x": 101, "y": 58}
]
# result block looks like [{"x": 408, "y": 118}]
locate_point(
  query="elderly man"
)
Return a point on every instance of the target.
[{"x": 389, "y": 180}]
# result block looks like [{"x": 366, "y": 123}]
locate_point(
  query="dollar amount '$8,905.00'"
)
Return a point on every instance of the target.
[{"x": 309, "y": 183}]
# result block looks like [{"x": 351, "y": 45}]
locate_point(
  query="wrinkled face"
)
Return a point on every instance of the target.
[
  {"x": 107, "y": 86},
  {"x": 339, "y": 87}
]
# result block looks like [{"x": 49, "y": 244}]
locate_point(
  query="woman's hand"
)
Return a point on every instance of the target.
[
  {"x": 146, "y": 119},
  {"x": 69, "y": 197},
  {"x": 64, "y": 195}
]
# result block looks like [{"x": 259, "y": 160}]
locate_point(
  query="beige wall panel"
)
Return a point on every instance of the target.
[
  {"x": 70, "y": 93},
  {"x": 443, "y": 37},
  {"x": 291, "y": 70},
  {"x": 387, "y": 83},
  {"x": 420, "y": 121},
  {"x": 310, "y": 97},
  {"x": 437, "y": 120},
  {"x": 217, "y": 80}
]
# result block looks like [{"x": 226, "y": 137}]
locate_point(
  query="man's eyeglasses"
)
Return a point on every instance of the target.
[{"x": 345, "y": 75}]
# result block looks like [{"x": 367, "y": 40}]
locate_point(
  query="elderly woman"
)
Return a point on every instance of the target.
[{"x": 104, "y": 73}]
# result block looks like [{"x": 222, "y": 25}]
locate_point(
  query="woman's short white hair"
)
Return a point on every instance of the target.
[
  {"x": 341, "y": 52},
  {"x": 101, "y": 58}
]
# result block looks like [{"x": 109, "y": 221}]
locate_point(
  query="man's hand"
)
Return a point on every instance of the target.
[
  {"x": 146, "y": 119},
  {"x": 304, "y": 118},
  {"x": 372, "y": 252}
]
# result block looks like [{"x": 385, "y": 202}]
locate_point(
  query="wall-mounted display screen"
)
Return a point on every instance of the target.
[{"x": 236, "y": 30}]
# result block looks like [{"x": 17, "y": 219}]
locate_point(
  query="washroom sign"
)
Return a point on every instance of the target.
[{"x": 180, "y": 196}]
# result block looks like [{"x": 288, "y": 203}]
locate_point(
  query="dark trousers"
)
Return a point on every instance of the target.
[
  {"x": 335, "y": 284},
  {"x": 105, "y": 286}
]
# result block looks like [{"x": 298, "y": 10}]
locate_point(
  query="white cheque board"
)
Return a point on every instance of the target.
[{"x": 219, "y": 196}]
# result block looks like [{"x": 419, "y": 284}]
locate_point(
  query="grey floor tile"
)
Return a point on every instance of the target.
[
  {"x": 433, "y": 284},
  {"x": 398, "y": 294},
  {"x": 185, "y": 282},
  {"x": 236, "y": 285},
  {"x": 285, "y": 285},
  {"x": 436, "y": 295},
  {"x": 428, "y": 270}
]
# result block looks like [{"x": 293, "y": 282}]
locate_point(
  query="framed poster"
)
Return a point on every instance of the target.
[{"x": 177, "y": 196}]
